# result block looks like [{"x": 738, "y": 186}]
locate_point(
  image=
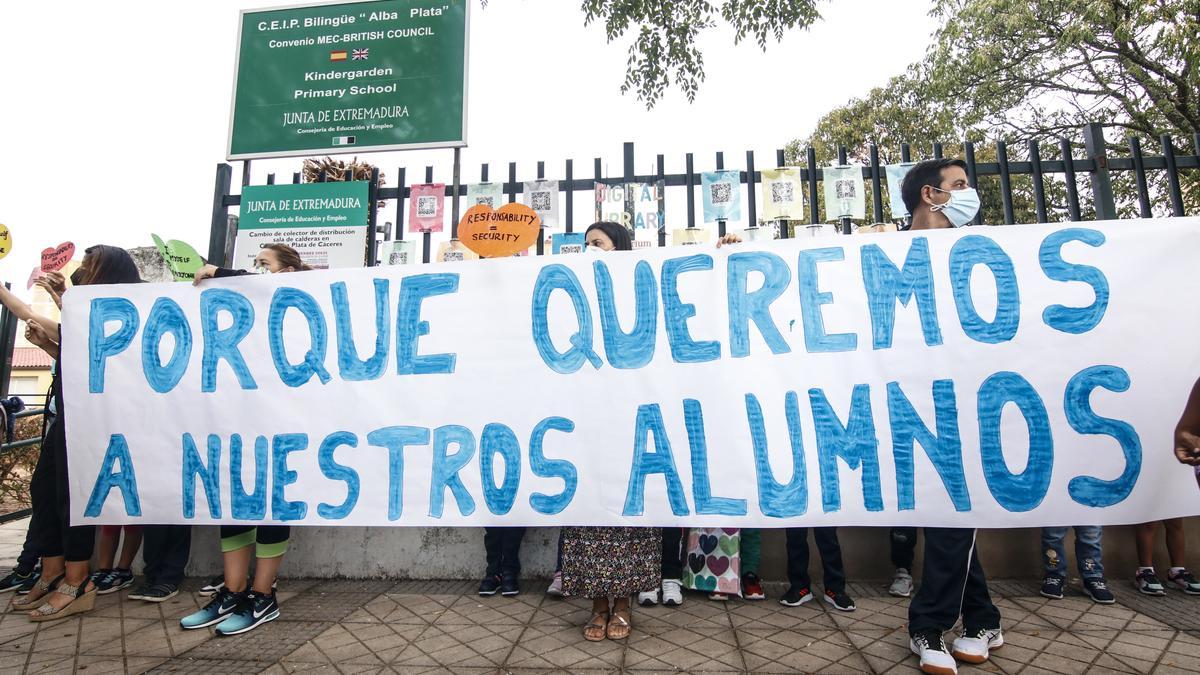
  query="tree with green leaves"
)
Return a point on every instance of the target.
[
  {"x": 1014, "y": 71},
  {"x": 663, "y": 49}
]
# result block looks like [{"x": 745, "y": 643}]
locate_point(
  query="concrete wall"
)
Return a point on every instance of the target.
[{"x": 457, "y": 553}]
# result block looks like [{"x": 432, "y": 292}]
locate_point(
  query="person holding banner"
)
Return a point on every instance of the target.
[
  {"x": 938, "y": 195},
  {"x": 604, "y": 563},
  {"x": 1187, "y": 451},
  {"x": 64, "y": 588},
  {"x": 234, "y": 608},
  {"x": 1187, "y": 433}
]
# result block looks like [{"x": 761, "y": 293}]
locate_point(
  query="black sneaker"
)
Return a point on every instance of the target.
[
  {"x": 1097, "y": 590},
  {"x": 1052, "y": 587},
  {"x": 140, "y": 591},
  {"x": 509, "y": 585},
  {"x": 489, "y": 585},
  {"x": 795, "y": 597},
  {"x": 839, "y": 600},
  {"x": 1147, "y": 583},
  {"x": 159, "y": 593},
  {"x": 1184, "y": 581},
  {"x": 112, "y": 581},
  {"x": 213, "y": 586},
  {"x": 16, "y": 579}
]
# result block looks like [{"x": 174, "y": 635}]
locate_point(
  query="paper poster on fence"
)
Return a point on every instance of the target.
[
  {"x": 1013, "y": 377},
  {"x": 722, "y": 194},
  {"x": 895, "y": 178},
  {"x": 426, "y": 205},
  {"x": 567, "y": 242},
  {"x": 782, "y": 194},
  {"x": 542, "y": 197},
  {"x": 325, "y": 222},
  {"x": 844, "y": 193},
  {"x": 490, "y": 194},
  {"x": 647, "y": 203},
  {"x": 690, "y": 236},
  {"x": 454, "y": 251},
  {"x": 612, "y": 205},
  {"x": 400, "y": 252}
]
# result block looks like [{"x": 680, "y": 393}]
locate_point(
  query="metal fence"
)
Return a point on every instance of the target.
[{"x": 1095, "y": 165}]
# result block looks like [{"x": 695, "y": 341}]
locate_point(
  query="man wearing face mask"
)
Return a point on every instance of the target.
[
  {"x": 937, "y": 194},
  {"x": 953, "y": 584}
]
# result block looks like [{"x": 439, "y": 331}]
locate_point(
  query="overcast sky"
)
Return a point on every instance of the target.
[{"x": 115, "y": 114}]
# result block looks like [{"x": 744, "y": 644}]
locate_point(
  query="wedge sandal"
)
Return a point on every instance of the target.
[{"x": 81, "y": 601}]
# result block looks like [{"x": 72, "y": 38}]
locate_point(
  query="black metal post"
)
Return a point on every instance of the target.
[
  {"x": 1102, "y": 194},
  {"x": 219, "y": 229},
  {"x": 1069, "y": 177}
]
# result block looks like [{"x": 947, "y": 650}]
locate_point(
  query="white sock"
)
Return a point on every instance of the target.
[
  {"x": 1175, "y": 571},
  {"x": 1144, "y": 569}
]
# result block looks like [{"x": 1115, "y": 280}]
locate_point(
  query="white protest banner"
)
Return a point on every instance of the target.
[{"x": 992, "y": 377}]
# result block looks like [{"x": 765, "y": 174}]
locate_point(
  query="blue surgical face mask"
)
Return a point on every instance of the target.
[{"x": 962, "y": 207}]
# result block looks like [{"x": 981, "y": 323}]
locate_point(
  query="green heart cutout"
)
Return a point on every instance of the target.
[
  {"x": 181, "y": 258},
  {"x": 704, "y": 582},
  {"x": 730, "y": 545}
]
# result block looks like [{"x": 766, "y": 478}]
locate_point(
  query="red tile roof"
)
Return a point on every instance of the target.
[{"x": 31, "y": 357}]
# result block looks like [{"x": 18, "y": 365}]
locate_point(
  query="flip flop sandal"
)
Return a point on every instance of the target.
[
  {"x": 619, "y": 625},
  {"x": 596, "y": 627},
  {"x": 25, "y": 604},
  {"x": 81, "y": 601}
]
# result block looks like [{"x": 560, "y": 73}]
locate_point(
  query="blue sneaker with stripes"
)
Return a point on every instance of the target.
[
  {"x": 221, "y": 607},
  {"x": 254, "y": 610}
]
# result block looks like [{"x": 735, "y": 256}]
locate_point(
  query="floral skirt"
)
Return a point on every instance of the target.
[{"x": 600, "y": 562}]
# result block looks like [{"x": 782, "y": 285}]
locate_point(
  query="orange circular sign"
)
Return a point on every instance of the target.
[{"x": 500, "y": 233}]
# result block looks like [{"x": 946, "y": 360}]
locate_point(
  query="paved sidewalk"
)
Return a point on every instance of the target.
[
  {"x": 380, "y": 626},
  {"x": 442, "y": 627}
]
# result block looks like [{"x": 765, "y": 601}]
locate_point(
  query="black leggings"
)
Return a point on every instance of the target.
[
  {"x": 50, "y": 534},
  {"x": 271, "y": 541}
]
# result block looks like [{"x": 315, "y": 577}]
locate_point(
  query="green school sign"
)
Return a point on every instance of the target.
[{"x": 350, "y": 77}]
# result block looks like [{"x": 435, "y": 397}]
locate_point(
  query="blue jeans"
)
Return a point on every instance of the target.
[{"x": 1087, "y": 551}]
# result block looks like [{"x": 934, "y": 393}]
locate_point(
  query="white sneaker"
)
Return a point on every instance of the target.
[
  {"x": 555, "y": 588},
  {"x": 902, "y": 584},
  {"x": 648, "y": 598},
  {"x": 672, "y": 593},
  {"x": 974, "y": 646},
  {"x": 931, "y": 648}
]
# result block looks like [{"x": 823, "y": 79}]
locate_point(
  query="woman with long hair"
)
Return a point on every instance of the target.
[
  {"x": 611, "y": 564},
  {"x": 64, "y": 588},
  {"x": 234, "y": 608}
]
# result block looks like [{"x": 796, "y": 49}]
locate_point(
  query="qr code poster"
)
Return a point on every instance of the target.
[
  {"x": 782, "y": 194},
  {"x": 401, "y": 252},
  {"x": 845, "y": 196},
  {"x": 426, "y": 204},
  {"x": 454, "y": 251},
  {"x": 567, "y": 242},
  {"x": 895, "y": 176},
  {"x": 542, "y": 197},
  {"x": 722, "y": 192},
  {"x": 691, "y": 236},
  {"x": 485, "y": 193}
]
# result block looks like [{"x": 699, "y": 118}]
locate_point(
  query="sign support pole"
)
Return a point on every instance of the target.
[{"x": 454, "y": 194}]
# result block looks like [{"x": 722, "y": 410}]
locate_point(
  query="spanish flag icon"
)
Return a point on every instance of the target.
[{"x": 338, "y": 55}]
